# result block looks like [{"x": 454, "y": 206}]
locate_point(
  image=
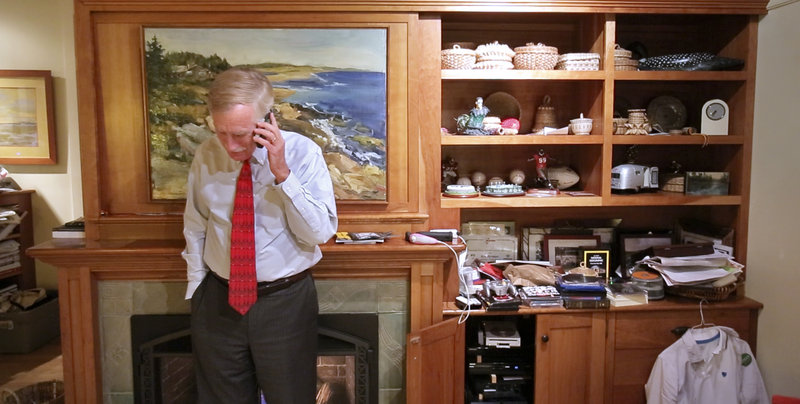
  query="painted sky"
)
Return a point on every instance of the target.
[
  {"x": 17, "y": 105},
  {"x": 355, "y": 48}
]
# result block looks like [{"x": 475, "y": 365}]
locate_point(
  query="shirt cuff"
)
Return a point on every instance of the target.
[{"x": 291, "y": 186}]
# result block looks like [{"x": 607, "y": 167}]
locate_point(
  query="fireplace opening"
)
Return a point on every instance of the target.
[{"x": 347, "y": 361}]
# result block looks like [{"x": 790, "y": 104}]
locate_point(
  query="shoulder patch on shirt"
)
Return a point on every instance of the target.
[{"x": 746, "y": 359}]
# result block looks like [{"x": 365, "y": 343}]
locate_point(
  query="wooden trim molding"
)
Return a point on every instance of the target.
[
  {"x": 588, "y": 6},
  {"x": 81, "y": 265}
]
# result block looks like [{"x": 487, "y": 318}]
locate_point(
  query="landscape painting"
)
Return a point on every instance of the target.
[{"x": 330, "y": 85}]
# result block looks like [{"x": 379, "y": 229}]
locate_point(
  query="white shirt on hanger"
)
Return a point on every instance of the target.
[{"x": 707, "y": 365}]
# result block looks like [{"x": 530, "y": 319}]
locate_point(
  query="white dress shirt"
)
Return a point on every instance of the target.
[
  {"x": 709, "y": 366},
  {"x": 291, "y": 218}
]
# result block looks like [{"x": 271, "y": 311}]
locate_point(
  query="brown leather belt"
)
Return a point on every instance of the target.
[{"x": 265, "y": 288}]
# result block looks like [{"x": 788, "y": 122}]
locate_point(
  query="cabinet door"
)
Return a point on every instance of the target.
[
  {"x": 569, "y": 358},
  {"x": 435, "y": 364}
]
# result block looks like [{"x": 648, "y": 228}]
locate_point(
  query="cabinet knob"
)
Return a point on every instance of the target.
[{"x": 545, "y": 338}]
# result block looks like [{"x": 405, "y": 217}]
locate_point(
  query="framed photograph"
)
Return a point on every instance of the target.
[
  {"x": 564, "y": 249},
  {"x": 599, "y": 260},
  {"x": 633, "y": 246},
  {"x": 27, "y": 125},
  {"x": 707, "y": 182}
]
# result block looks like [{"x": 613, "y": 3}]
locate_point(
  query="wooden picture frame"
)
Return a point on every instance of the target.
[
  {"x": 114, "y": 118},
  {"x": 551, "y": 242},
  {"x": 27, "y": 124},
  {"x": 632, "y": 246}
]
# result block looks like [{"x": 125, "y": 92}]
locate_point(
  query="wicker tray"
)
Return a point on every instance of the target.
[{"x": 713, "y": 294}]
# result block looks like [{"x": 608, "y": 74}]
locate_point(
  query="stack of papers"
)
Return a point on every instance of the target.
[{"x": 715, "y": 269}]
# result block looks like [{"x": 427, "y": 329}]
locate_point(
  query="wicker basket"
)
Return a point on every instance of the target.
[
  {"x": 712, "y": 294},
  {"x": 619, "y": 52},
  {"x": 578, "y": 62},
  {"x": 458, "y": 58},
  {"x": 535, "y": 57},
  {"x": 625, "y": 64},
  {"x": 494, "y": 52},
  {"x": 545, "y": 116},
  {"x": 672, "y": 182},
  {"x": 493, "y": 65}
]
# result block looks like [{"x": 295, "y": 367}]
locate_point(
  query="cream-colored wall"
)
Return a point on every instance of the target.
[
  {"x": 38, "y": 35},
  {"x": 773, "y": 253}
]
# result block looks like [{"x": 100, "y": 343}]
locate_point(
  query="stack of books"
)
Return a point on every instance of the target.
[
  {"x": 71, "y": 229},
  {"x": 581, "y": 292}
]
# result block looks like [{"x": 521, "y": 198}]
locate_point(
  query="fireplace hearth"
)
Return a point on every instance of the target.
[{"x": 347, "y": 365}]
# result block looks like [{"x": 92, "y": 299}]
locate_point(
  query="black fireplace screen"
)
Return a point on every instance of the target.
[{"x": 347, "y": 362}]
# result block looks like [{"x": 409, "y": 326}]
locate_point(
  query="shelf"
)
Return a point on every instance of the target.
[
  {"x": 697, "y": 139},
  {"x": 522, "y": 75},
  {"x": 462, "y": 140},
  {"x": 562, "y": 200},
  {"x": 681, "y": 75},
  {"x": 672, "y": 199},
  {"x": 593, "y": 75}
]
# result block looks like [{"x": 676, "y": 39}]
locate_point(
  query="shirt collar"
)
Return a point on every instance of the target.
[
  {"x": 259, "y": 156},
  {"x": 700, "y": 352}
]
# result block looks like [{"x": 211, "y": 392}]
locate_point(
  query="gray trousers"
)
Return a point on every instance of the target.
[{"x": 272, "y": 347}]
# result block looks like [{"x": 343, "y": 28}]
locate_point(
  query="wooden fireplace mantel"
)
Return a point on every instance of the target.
[{"x": 82, "y": 264}]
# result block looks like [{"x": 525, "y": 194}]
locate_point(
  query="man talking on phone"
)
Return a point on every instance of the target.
[{"x": 259, "y": 202}]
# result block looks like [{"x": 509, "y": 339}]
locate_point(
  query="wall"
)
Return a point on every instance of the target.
[
  {"x": 38, "y": 35},
  {"x": 772, "y": 273}
]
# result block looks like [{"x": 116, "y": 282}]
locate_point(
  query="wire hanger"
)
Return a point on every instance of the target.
[{"x": 703, "y": 323}]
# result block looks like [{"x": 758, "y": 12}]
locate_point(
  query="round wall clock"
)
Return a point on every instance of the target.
[{"x": 714, "y": 118}]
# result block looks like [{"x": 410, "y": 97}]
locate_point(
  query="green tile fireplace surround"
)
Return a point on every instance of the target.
[{"x": 118, "y": 300}]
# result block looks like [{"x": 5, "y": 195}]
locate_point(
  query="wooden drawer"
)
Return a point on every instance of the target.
[
  {"x": 639, "y": 337},
  {"x": 653, "y": 329}
]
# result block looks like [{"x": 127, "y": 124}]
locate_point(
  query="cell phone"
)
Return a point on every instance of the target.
[{"x": 266, "y": 119}]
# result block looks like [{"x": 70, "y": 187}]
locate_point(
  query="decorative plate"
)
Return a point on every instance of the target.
[
  {"x": 667, "y": 112},
  {"x": 502, "y": 105},
  {"x": 502, "y": 194}
]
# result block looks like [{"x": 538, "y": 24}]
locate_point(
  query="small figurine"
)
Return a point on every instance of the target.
[
  {"x": 449, "y": 172},
  {"x": 472, "y": 123},
  {"x": 542, "y": 180}
]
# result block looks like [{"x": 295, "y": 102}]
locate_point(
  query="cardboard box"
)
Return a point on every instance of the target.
[{"x": 24, "y": 331}]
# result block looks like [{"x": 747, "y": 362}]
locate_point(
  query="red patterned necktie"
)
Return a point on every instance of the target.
[{"x": 242, "y": 283}]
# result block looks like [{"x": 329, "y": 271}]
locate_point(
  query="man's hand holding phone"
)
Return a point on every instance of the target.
[{"x": 267, "y": 134}]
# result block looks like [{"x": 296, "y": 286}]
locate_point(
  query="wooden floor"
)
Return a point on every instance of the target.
[{"x": 20, "y": 370}]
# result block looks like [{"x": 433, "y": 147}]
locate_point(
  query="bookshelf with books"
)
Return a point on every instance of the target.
[{"x": 16, "y": 235}]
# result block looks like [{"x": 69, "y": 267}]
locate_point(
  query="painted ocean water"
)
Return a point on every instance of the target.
[
  {"x": 18, "y": 134},
  {"x": 357, "y": 98}
]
